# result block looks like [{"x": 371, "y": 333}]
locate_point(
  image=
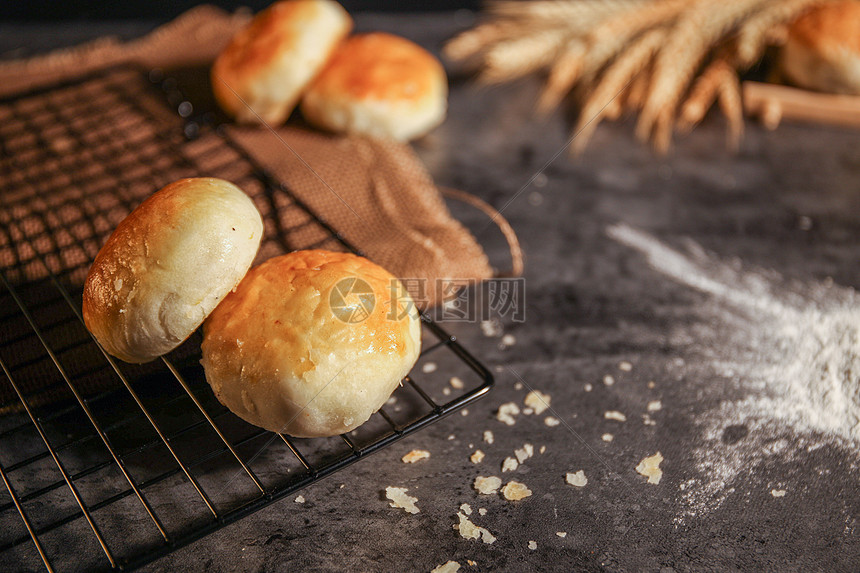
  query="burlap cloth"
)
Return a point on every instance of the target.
[{"x": 376, "y": 194}]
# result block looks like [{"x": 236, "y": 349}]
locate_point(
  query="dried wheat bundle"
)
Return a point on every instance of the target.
[{"x": 669, "y": 61}]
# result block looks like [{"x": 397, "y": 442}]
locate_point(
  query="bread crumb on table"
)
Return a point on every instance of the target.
[
  {"x": 414, "y": 456},
  {"x": 482, "y": 511},
  {"x": 532, "y": 545},
  {"x": 655, "y": 405},
  {"x": 538, "y": 401},
  {"x": 650, "y": 467},
  {"x": 449, "y": 567},
  {"x": 614, "y": 415},
  {"x": 488, "y": 436},
  {"x": 487, "y": 485},
  {"x": 777, "y": 492},
  {"x": 466, "y": 508},
  {"x": 507, "y": 412},
  {"x": 625, "y": 366},
  {"x": 428, "y": 367},
  {"x": 551, "y": 421},
  {"x": 456, "y": 383},
  {"x": 524, "y": 452},
  {"x": 300, "y": 499},
  {"x": 477, "y": 457},
  {"x": 561, "y": 533},
  {"x": 469, "y": 530},
  {"x": 607, "y": 437},
  {"x": 609, "y": 380},
  {"x": 400, "y": 500},
  {"x": 577, "y": 479},
  {"x": 515, "y": 491},
  {"x": 510, "y": 464}
]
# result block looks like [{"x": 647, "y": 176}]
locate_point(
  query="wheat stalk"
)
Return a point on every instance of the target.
[{"x": 755, "y": 33}]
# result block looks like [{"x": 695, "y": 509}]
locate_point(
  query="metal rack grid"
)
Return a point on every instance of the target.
[{"x": 108, "y": 465}]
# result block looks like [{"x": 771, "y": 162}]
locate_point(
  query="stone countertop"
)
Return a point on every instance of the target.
[{"x": 718, "y": 286}]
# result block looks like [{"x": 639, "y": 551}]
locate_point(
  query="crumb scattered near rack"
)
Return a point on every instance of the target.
[
  {"x": 528, "y": 411},
  {"x": 449, "y": 567},
  {"x": 625, "y": 366},
  {"x": 510, "y": 464},
  {"x": 466, "y": 508},
  {"x": 551, "y": 421},
  {"x": 414, "y": 456},
  {"x": 538, "y": 401},
  {"x": 609, "y": 380},
  {"x": 561, "y": 533},
  {"x": 491, "y": 328},
  {"x": 477, "y": 457},
  {"x": 399, "y": 499},
  {"x": 452, "y": 437},
  {"x": 464, "y": 412},
  {"x": 488, "y": 436},
  {"x": 614, "y": 415},
  {"x": 456, "y": 383},
  {"x": 650, "y": 467},
  {"x": 508, "y": 340},
  {"x": 471, "y": 563},
  {"x": 577, "y": 479},
  {"x": 607, "y": 437},
  {"x": 542, "y": 449},
  {"x": 652, "y": 384},
  {"x": 515, "y": 491},
  {"x": 588, "y": 387},
  {"x": 655, "y": 405},
  {"x": 469, "y": 530},
  {"x": 533, "y": 545},
  {"x": 482, "y": 511},
  {"x": 777, "y": 492},
  {"x": 507, "y": 412},
  {"x": 446, "y": 391},
  {"x": 524, "y": 452},
  {"x": 487, "y": 485},
  {"x": 518, "y": 386},
  {"x": 648, "y": 420},
  {"x": 300, "y": 499},
  {"x": 391, "y": 401},
  {"x": 428, "y": 367}
]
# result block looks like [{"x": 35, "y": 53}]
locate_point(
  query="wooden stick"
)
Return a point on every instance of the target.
[{"x": 772, "y": 102}]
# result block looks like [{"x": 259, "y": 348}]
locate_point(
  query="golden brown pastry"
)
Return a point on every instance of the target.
[
  {"x": 379, "y": 85},
  {"x": 262, "y": 72},
  {"x": 822, "y": 51},
  {"x": 311, "y": 343},
  {"x": 168, "y": 264}
]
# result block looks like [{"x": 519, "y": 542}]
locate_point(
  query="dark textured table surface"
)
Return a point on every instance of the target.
[{"x": 719, "y": 284}]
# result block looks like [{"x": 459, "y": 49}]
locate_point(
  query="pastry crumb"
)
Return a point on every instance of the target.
[
  {"x": 300, "y": 499},
  {"x": 452, "y": 437},
  {"x": 648, "y": 420},
  {"x": 428, "y": 367},
  {"x": 528, "y": 411},
  {"x": 464, "y": 412},
  {"x": 491, "y": 328},
  {"x": 607, "y": 437},
  {"x": 524, "y": 453},
  {"x": 456, "y": 383},
  {"x": 446, "y": 391},
  {"x": 625, "y": 366},
  {"x": 507, "y": 340},
  {"x": 614, "y": 415},
  {"x": 471, "y": 563},
  {"x": 482, "y": 511},
  {"x": 477, "y": 457},
  {"x": 469, "y": 530},
  {"x": 466, "y": 508},
  {"x": 488, "y": 436},
  {"x": 507, "y": 412},
  {"x": 515, "y": 491},
  {"x": 609, "y": 380},
  {"x": 487, "y": 485},
  {"x": 414, "y": 456},
  {"x": 510, "y": 464},
  {"x": 577, "y": 479},
  {"x": 538, "y": 401},
  {"x": 533, "y": 545},
  {"x": 650, "y": 467},
  {"x": 551, "y": 421},
  {"x": 518, "y": 386},
  {"x": 777, "y": 492},
  {"x": 400, "y": 500},
  {"x": 449, "y": 567},
  {"x": 655, "y": 405},
  {"x": 588, "y": 387},
  {"x": 652, "y": 384},
  {"x": 561, "y": 533},
  {"x": 542, "y": 449}
]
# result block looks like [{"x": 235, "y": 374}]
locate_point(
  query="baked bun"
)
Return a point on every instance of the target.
[
  {"x": 262, "y": 72},
  {"x": 822, "y": 51},
  {"x": 168, "y": 264},
  {"x": 311, "y": 343},
  {"x": 378, "y": 85}
]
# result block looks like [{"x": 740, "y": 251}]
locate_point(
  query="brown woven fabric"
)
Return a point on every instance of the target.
[{"x": 376, "y": 194}]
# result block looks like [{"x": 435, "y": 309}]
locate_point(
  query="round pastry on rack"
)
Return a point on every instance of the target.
[
  {"x": 379, "y": 85},
  {"x": 168, "y": 264},
  {"x": 260, "y": 75},
  {"x": 311, "y": 343}
]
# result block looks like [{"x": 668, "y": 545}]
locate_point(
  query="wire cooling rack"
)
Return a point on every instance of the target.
[{"x": 108, "y": 465}]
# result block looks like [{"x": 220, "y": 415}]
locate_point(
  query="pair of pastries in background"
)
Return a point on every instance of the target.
[
  {"x": 291, "y": 345},
  {"x": 297, "y": 51}
]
